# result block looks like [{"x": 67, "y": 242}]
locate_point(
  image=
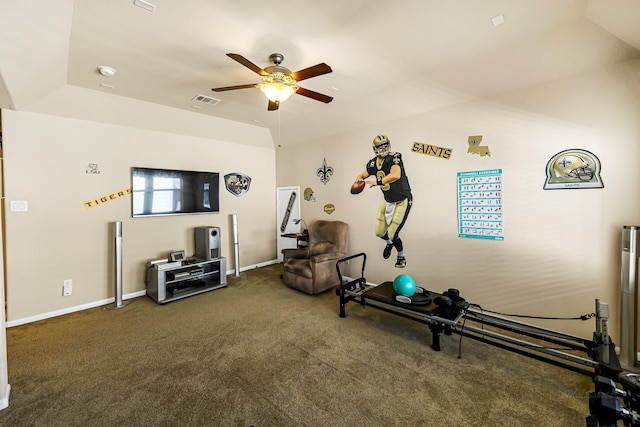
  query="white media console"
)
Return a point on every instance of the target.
[{"x": 175, "y": 280}]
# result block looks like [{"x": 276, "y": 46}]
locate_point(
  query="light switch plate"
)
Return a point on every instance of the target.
[
  {"x": 67, "y": 287},
  {"x": 19, "y": 206}
]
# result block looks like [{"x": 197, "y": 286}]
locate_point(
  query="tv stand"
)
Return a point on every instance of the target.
[{"x": 175, "y": 280}]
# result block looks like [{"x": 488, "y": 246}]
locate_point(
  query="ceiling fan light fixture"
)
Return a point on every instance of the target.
[
  {"x": 278, "y": 87},
  {"x": 277, "y": 92},
  {"x": 278, "y": 82}
]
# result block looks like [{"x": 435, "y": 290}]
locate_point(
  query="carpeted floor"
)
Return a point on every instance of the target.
[{"x": 260, "y": 354}]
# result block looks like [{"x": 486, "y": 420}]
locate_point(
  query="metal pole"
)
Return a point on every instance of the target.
[
  {"x": 629, "y": 298},
  {"x": 236, "y": 245},
  {"x": 118, "y": 265}
]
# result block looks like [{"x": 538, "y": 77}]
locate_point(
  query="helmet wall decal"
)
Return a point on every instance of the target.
[
  {"x": 237, "y": 183},
  {"x": 308, "y": 195},
  {"x": 381, "y": 145},
  {"x": 574, "y": 168}
]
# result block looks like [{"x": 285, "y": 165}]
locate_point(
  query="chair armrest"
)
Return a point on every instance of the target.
[
  {"x": 331, "y": 256},
  {"x": 295, "y": 253}
]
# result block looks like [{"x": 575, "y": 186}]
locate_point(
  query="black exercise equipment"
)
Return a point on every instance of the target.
[
  {"x": 422, "y": 296},
  {"x": 448, "y": 312}
]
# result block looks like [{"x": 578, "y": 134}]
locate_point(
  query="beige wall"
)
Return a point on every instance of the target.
[
  {"x": 561, "y": 247},
  {"x": 46, "y": 159}
]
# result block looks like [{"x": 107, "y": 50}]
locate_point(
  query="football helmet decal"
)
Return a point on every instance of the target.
[
  {"x": 308, "y": 195},
  {"x": 381, "y": 145},
  {"x": 573, "y": 169}
]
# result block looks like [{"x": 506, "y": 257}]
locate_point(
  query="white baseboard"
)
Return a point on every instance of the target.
[
  {"x": 251, "y": 267},
  {"x": 68, "y": 310},
  {"x": 94, "y": 304}
]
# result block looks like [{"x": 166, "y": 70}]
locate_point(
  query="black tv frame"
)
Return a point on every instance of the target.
[{"x": 184, "y": 192}]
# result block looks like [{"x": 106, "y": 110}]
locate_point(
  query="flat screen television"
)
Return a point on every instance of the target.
[{"x": 174, "y": 192}]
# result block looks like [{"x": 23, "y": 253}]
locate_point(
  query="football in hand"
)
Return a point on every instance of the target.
[{"x": 357, "y": 187}]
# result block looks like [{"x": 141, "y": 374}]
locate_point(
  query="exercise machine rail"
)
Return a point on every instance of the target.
[{"x": 599, "y": 360}]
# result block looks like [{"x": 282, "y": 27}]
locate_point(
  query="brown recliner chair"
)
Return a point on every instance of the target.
[{"x": 313, "y": 269}]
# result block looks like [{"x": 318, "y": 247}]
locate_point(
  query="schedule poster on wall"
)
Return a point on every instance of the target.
[{"x": 480, "y": 204}]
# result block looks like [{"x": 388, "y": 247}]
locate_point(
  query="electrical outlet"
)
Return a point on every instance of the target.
[{"x": 67, "y": 286}]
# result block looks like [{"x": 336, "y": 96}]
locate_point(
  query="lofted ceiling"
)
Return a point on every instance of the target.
[{"x": 390, "y": 58}]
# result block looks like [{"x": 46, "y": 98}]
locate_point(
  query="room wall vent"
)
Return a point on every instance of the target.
[{"x": 205, "y": 99}]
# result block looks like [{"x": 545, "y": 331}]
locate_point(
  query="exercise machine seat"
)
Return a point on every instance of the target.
[{"x": 312, "y": 269}]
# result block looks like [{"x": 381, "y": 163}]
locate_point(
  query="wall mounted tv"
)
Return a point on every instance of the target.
[{"x": 174, "y": 192}]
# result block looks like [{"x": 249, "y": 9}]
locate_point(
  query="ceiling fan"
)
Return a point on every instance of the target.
[{"x": 278, "y": 82}]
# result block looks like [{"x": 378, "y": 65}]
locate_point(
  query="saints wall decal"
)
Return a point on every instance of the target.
[{"x": 324, "y": 172}]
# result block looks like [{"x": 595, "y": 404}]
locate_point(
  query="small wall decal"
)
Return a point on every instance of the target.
[
  {"x": 324, "y": 172},
  {"x": 92, "y": 168},
  {"x": 431, "y": 150},
  {"x": 107, "y": 198},
  {"x": 287, "y": 214},
  {"x": 308, "y": 195},
  {"x": 571, "y": 169},
  {"x": 329, "y": 208},
  {"x": 475, "y": 148},
  {"x": 237, "y": 183}
]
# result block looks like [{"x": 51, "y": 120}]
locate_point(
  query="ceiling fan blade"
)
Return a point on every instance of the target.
[
  {"x": 307, "y": 73},
  {"x": 222, "y": 89},
  {"x": 273, "y": 105},
  {"x": 250, "y": 65},
  {"x": 314, "y": 95}
]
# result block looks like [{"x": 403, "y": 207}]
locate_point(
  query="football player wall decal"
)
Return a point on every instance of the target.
[{"x": 388, "y": 173}]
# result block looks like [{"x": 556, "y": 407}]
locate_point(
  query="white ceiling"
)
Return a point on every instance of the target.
[{"x": 390, "y": 58}]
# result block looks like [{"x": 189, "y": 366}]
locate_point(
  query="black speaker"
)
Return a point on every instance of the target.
[{"x": 207, "y": 242}]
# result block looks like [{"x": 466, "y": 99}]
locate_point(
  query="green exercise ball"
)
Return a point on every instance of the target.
[{"x": 404, "y": 285}]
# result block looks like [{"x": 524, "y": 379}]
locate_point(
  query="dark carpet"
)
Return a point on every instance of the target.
[{"x": 260, "y": 354}]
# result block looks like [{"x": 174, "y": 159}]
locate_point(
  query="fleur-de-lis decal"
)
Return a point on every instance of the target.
[{"x": 324, "y": 172}]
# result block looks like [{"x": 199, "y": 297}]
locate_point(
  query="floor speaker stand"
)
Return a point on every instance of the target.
[{"x": 117, "y": 242}]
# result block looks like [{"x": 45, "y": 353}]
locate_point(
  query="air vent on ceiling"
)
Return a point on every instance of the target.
[{"x": 205, "y": 99}]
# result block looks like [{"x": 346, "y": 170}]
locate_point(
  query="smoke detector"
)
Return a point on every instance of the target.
[{"x": 106, "y": 71}]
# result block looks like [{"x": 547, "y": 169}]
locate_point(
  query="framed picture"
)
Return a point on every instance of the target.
[{"x": 178, "y": 256}]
